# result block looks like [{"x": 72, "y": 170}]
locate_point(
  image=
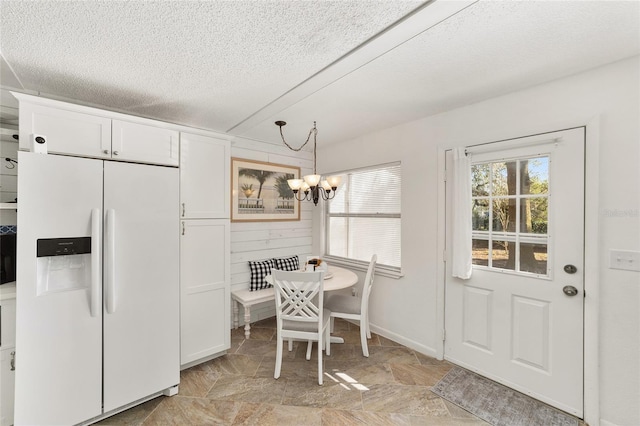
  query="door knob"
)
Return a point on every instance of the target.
[
  {"x": 570, "y": 269},
  {"x": 570, "y": 290}
]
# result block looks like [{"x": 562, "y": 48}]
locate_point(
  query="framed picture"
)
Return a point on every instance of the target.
[{"x": 260, "y": 192}]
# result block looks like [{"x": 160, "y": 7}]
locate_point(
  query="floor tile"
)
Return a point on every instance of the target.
[
  {"x": 359, "y": 372},
  {"x": 397, "y": 355},
  {"x": 168, "y": 412},
  {"x": 202, "y": 411},
  {"x": 331, "y": 394},
  {"x": 411, "y": 400},
  {"x": 257, "y": 348},
  {"x": 248, "y": 389},
  {"x": 133, "y": 416},
  {"x": 196, "y": 382},
  {"x": 277, "y": 415},
  {"x": 331, "y": 417},
  {"x": 233, "y": 364},
  {"x": 418, "y": 374}
]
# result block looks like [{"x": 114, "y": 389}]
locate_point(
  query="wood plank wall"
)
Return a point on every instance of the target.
[{"x": 265, "y": 240}]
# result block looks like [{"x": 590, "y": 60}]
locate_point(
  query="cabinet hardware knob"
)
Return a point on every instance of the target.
[
  {"x": 106, "y": 151},
  {"x": 13, "y": 361},
  {"x": 116, "y": 152},
  {"x": 182, "y": 228},
  {"x": 183, "y": 209}
]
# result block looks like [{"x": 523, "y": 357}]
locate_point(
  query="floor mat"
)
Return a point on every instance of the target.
[{"x": 497, "y": 404}]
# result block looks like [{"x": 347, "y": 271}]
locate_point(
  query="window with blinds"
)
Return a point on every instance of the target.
[{"x": 364, "y": 218}]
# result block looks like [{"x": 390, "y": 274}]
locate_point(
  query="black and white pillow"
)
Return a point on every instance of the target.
[
  {"x": 287, "y": 263},
  {"x": 259, "y": 270}
]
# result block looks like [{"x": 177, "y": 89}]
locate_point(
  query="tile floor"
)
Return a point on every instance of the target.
[{"x": 391, "y": 387}]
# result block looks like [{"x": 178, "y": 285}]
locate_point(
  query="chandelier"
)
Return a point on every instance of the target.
[{"x": 311, "y": 187}]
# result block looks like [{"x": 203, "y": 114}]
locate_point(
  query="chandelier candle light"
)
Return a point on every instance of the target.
[{"x": 312, "y": 186}]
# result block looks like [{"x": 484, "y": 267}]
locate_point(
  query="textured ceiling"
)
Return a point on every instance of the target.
[{"x": 239, "y": 65}]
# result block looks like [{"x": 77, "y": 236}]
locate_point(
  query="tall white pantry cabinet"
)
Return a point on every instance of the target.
[{"x": 204, "y": 248}]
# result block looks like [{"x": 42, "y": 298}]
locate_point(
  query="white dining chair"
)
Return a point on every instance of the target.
[
  {"x": 300, "y": 313},
  {"x": 355, "y": 308}
]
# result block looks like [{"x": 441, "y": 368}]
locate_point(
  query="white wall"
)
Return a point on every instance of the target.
[
  {"x": 608, "y": 98},
  {"x": 264, "y": 240}
]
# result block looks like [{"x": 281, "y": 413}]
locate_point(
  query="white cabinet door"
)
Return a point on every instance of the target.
[
  {"x": 141, "y": 280},
  {"x": 66, "y": 132},
  {"x": 141, "y": 143},
  {"x": 7, "y": 382},
  {"x": 204, "y": 177},
  {"x": 205, "y": 287}
]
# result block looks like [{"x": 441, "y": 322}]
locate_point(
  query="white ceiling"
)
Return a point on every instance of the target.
[{"x": 352, "y": 66}]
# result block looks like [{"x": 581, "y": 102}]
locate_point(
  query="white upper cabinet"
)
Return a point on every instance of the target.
[
  {"x": 89, "y": 132},
  {"x": 204, "y": 177},
  {"x": 65, "y": 132},
  {"x": 144, "y": 144}
]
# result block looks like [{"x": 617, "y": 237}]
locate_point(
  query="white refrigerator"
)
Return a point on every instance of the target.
[{"x": 97, "y": 287}]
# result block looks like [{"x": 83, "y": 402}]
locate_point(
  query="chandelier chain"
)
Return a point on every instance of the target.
[{"x": 314, "y": 132}]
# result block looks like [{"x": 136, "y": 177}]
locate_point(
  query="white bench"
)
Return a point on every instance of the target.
[{"x": 247, "y": 299}]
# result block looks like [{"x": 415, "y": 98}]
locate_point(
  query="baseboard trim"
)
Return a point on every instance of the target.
[{"x": 411, "y": 344}]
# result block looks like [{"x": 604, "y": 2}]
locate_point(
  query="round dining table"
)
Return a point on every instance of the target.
[{"x": 336, "y": 278}]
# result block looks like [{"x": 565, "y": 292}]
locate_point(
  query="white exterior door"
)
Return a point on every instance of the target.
[
  {"x": 516, "y": 320},
  {"x": 141, "y": 282},
  {"x": 59, "y": 315}
]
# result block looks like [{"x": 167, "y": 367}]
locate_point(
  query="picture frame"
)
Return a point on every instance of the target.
[{"x": 260, "y": 192}]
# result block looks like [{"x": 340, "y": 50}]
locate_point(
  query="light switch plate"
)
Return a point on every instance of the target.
[{"x": 624, "y": 259}]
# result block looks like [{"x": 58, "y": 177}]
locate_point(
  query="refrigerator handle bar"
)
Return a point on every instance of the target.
[
  {"x": 96, "y": 245},
  {"x": 110, "y": 261}
]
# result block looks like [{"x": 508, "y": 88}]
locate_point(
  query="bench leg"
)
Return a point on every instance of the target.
[
  {"x": 235, "y": 314},
  {"x": 247, "y": 322}
]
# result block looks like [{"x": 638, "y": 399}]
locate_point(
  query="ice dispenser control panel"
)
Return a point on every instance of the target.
[
  {"x": 63, "y": 264},
  {"x": 63, "y": 246}
]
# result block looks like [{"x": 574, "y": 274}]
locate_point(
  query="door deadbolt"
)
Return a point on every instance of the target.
[
  {"x": 570, "y": 290},
  {"x": 570, "y": 269}
]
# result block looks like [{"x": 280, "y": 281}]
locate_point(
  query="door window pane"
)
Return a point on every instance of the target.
[
  {"x": 480, "y": 179},
  {"x": 504, "y": 215},
  {"x": 503, "y": 255},
  {"x": 504, "y": 178},
  {"x": 480, "y": 252},
  {"x": 480, "y": 215},
  {"x": 533, "y": 215},
  {"x": 533, "y": 258},
  {"x": 534, "y": 176}
]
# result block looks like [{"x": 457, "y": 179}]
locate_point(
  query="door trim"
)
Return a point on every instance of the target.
[{"x": 591, "y": 257}]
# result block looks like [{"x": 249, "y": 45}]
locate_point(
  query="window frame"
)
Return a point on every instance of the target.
[{"x": 361, "y": 265}]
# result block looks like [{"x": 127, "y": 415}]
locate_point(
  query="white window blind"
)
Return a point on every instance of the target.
[{"x": 364, "y": 218}]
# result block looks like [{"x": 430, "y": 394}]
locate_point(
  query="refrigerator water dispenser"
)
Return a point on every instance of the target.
[{"x": 63, "y": 264}]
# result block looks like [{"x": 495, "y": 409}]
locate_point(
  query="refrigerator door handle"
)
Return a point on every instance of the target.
[
  {"x": 110, "y": 263},
  {"x": 96, "y": 273}
]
